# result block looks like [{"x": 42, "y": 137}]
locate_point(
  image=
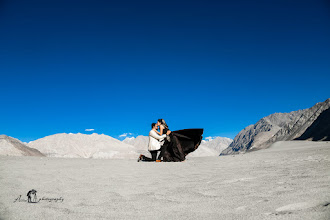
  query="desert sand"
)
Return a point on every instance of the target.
[{"x": 290, "y": 180}]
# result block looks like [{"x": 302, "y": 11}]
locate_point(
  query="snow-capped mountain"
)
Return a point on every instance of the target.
[
  {"x": 84, "y": 146},
  {"x": 12, "y": 147}
]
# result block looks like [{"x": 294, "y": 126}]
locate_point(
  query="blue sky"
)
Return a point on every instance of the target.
[{"x": 118, "y": 66}]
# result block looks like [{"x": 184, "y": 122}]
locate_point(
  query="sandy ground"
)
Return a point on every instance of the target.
[{"x": 290, "y": 180}]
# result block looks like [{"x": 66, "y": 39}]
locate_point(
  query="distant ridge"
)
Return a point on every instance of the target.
[
  {"x": 140, "y": 143},
  {"x": 12, "y": 147},
  {"x": 84, "y": 146},
  {"x": 217, "y": 143},
  {"x": 277, "y": 127}
]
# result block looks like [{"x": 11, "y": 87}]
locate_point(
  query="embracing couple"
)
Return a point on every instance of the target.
[
  {"x": 172, "y": 146},
  {"x": 159, "y": 131}
]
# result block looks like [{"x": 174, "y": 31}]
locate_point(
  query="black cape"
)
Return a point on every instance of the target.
[{"x": 181, "y": 143}]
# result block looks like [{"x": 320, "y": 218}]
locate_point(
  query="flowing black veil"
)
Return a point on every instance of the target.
[{"x": 181, "y": 143}]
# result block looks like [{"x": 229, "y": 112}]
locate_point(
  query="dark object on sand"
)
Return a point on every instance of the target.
[{"x": 181, "y": 143}]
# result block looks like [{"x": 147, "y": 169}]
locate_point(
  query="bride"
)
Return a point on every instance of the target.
[{"x": 178, "y": 144}]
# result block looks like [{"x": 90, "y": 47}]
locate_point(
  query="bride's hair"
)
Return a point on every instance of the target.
[{"x": 162, "y": 121}]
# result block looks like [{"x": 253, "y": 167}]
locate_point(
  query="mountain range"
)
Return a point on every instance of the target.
[
  {"x": 307, "y": 124},
  {"x": 95, "y": 146}
]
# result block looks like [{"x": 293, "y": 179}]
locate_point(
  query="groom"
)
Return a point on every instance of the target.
[{"x": 154, "y": 144}]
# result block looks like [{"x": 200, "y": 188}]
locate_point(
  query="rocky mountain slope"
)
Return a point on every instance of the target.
[
  {"x": 319, "y": 130},
  {"x": 296, "y": 128},
  {"x": 84, "y": 146},
  {"x": 275, "y": 127},
  {"x": 12, "y": 147}
]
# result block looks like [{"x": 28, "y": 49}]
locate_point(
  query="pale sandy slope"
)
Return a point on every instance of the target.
[
  {"x": 84, "y": 146},
  {"x": 291, "y": 180}
]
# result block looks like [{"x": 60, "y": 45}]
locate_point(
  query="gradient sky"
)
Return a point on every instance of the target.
[{"x": 118, "y": 66}]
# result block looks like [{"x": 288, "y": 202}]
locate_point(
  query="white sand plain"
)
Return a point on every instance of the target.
[{"x": 290, "y": 180}]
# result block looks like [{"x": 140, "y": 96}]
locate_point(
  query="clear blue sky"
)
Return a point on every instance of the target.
[{"x": 118, "y": 66}]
